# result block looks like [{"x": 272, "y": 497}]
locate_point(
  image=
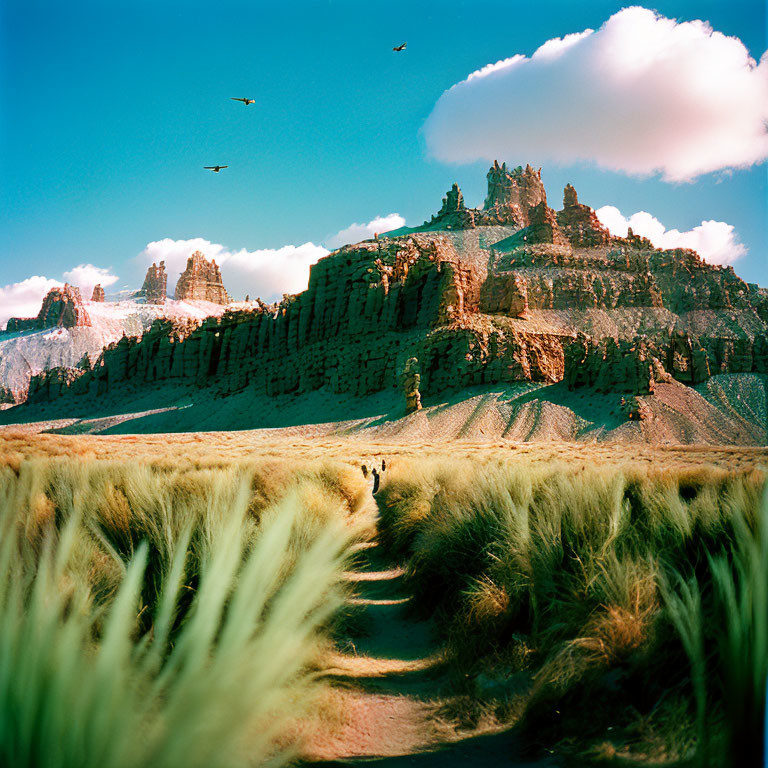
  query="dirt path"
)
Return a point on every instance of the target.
[{"x": 390, "y": 679}]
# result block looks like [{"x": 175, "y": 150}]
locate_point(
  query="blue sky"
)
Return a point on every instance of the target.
[{"x": 108, "y": 111}]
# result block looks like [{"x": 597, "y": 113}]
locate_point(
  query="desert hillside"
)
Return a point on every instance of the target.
[{"x": 510, "y": 321}]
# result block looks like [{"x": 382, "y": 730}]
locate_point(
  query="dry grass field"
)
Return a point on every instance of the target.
[
  {"x": 212, "y": 448},
  {"x": 598, "y": 602}
]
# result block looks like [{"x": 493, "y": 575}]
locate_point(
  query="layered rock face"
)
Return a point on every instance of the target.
[
  {"x": 201, "y": 281},
  {"x": 62, "y": 307},
  {"x": 551, "y": 298},
  {"x": 98, "y": 293},
  {"x": 155, "y": 283}
]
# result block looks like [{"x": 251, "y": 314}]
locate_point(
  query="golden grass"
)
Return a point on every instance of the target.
[
  {"x": 152, "y": 615},
  {"x": 212, "y": 449},
  {"x": 543, "y": 559},
  {"x": 560, "y": 571}
]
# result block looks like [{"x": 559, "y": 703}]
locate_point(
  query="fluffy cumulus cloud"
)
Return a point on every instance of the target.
[
  {"x": 642, "y": 94},
  {"x": 25, "y": 298},
  {"x": 715, "y": 241},
  {"x": 86, "y": 276},
  {"x": 357, "y": 232},
  {"x": 267, "y": 273}
]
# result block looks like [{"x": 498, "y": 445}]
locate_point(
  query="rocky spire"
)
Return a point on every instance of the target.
[
  {"x": 98, "y": 293},
  {"x": 154, "y": 288},
  {"x": 517, "y": 190},
  {"x": 201, "y": 281},
  {"x": 453, "y": 201},
  {"x": 579, "y": 222}
]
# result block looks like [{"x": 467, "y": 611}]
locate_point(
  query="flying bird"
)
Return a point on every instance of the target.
[
  {"x": 215, "y": 168},
  {"x": 245, "y": 101},
  {"x": 400, "y": 47}
]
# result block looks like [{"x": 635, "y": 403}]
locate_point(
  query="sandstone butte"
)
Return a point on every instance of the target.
[{"x": 511, "y": 292}]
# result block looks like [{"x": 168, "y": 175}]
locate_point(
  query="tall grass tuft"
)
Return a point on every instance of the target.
[
  {"x": 561, "y": 573},
  {"x": 154, "y": 619},
  {"x": 737, "y": 630}
]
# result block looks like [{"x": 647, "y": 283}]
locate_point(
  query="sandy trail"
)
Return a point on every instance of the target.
[{"x": 390, "y": 676}]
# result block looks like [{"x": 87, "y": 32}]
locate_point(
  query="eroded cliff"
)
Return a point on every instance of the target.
[{"x": 512, "y": 292}]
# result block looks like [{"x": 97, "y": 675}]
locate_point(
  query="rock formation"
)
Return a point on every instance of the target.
[
  {"x": 474, "y": 305},
  {"x": 453, "y": 213},
  {"x": 98, "y": 293},
  {"x": 542, "y": 226},
  {"x": 62, "y": 307},
  {"x": 579, "y": 223},
  {"x": 201, "y": 281},
  {"x": 154, "y": 288},
  {"x": 514, "y": 192},
  {"x": 411, "y": 379},
  {"x": 517, "y": 198}
]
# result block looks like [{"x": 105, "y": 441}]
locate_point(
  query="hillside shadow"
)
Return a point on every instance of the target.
[
  {"x": 601, "y": 410},
  {"x": 183, "y": 409}
]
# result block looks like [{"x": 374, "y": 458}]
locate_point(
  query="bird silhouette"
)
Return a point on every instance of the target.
[
  {"x": 245, "y": 101},
  {"x": 400, "y": 47},
  {"x": 215, "y": 168}
]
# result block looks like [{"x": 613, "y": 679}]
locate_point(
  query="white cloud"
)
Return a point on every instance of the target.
[
  {"x": 86, "y": 276},
  {"x": 24, "y": 299},
  {"x": 357, "y": 232},
  {"x": 642, "y": 94},
  {"x": 715, "y": 241},
  {"x": 267, "y": 273}
]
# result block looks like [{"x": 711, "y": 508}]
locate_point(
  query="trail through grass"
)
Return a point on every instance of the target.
[{"x": 549, "y": 587}]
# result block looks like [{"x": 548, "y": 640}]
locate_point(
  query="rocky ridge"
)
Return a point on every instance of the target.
[
  {"x": 29, "y": 351},
  {"x": 512, "y": 292}
]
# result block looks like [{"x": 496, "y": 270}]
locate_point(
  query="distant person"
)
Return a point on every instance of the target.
[
  {"x": 365, "y": 470},
  {"x": 375, "y": 479},
  {"x": 383, "y": 465}
]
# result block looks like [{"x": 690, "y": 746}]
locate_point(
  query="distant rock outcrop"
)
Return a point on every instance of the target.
[
  {"x": 517, "y": 198},
  {"x": 98, "y": 293},
  {"x": 155, "y": 283},
  {"x": 201, "y": 281},
  {"x": 62, "y": 307}
]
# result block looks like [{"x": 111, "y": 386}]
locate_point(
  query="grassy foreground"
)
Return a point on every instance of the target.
[
  {"x": 164, "y": 606},
  {"x": 159, "y": 617},
  {"x": 611, "y": 612}
]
